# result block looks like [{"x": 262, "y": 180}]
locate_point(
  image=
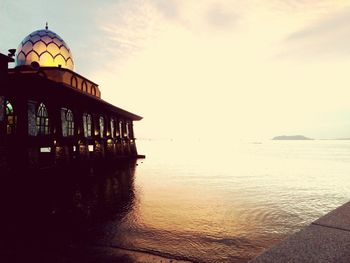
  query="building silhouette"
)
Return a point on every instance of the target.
[{"x": 51, "y": 115}]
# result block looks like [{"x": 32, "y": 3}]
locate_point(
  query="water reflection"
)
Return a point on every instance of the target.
[
  {"x": 189, "y": 206},
  {"x": 51, "y": 216}
]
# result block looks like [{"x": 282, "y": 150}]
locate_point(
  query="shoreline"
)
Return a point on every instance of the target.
[
  {"x": 323, "y": 241},
  {"x": 106, "y": 254}
]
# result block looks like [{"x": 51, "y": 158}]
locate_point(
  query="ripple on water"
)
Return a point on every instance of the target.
[{"x": 226, "y": 205}]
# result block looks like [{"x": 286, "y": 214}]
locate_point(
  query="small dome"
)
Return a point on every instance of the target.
[{"x": 46, "y": 48}]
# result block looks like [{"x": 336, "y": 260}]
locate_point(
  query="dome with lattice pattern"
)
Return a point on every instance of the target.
[{"x": 46, "y": 48}]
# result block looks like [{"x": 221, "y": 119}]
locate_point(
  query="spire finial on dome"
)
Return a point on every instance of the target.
[{"x": 47, "y": 26}]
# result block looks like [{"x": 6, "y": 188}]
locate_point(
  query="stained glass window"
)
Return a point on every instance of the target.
[
  {"x": 42, "y": 120},
  {"x": 112, "y": 128},
  {"x": 102, "y": 126},
  {"x": 67, "y": 122},
  {"x": 70, "y": 123},
  {"x": 127, "y": 132},
  {"x": 11, "y": 118},
  {"x": 87, "y": 121},
  {"x": 120, "y": 129}
]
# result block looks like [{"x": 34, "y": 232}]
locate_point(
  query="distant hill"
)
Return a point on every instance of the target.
[{"x": 291, "y": 137}]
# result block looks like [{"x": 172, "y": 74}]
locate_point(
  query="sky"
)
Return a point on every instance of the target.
[{"x": 206, "y": 69}]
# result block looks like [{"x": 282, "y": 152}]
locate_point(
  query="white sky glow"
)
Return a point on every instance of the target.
[{"x": 199, "y": 69}]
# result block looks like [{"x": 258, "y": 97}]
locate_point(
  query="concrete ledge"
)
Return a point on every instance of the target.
[
  {"x": 338, "y": 218},
  {"x": 325, "y": 240}
]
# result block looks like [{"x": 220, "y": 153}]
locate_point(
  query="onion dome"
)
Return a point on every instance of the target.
[{"x": 46, "y": 48}]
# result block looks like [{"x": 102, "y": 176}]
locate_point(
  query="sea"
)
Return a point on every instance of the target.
[
  {"x": 228, "y": 201},
  {"x": 200, "y": 201}
]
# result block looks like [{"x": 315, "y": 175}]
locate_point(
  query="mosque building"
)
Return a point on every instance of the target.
[{"x": 51, "y": 115}]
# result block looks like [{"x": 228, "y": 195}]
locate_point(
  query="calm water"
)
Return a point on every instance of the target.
[
  {"x": 202, "y": 201},
  {"x": 225, "y": 203}
]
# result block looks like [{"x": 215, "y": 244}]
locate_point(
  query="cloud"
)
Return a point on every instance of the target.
[
  {"x": 169, "y": 9},
  {"x": 306, "y": 8},
  {"x": 126, "y": 28},
  {"x": 129, "y": 27},
  {"x": 176, "y": 61},
  {"x": 328, "y": 38},
  {"x": 206, "y": 16},
  {"x": 220, "y": 17},
  {"x": 338, "y": 23}
]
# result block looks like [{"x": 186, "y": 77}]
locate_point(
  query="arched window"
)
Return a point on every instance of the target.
[
  {"x": 117, "y": 128},
  {"x": 121, "y": 129},
  {"x": 102, "y": 126},
  {"x": 84, "y": 86},
  {"x": 70, "y": 123},
  {"x": 67, "y": 122},
  {"x": 42, "y": 120},
  {"x": 112, "y": 127},
  {"x": 74, "y": 82},
  {"x": 127, "y": 130},
  {"x": 93, "y": 90},
  {"x": 87, "y": 121},
  {"x": 11, "y": 118}
]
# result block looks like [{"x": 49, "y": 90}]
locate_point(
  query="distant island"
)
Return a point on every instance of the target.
[{"x": 291, "y": 137}]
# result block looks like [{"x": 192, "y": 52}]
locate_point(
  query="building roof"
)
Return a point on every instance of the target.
[
  {"x": 44, "y": 88},
  {"x": 45, "y": 63},
  {"x": 5, "y": 59},
  {"x": 45, "y": 48},
  {"x": 64, "y": 76}
]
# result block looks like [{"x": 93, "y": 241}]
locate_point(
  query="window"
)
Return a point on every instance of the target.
[
  {"x": 45, "y": 149},
  {"x": 70, "y": 123},
  {"x": 93, "y": 90},
  {"x": 42, "y": 120},
  {"x": 127, "y": 132},
  {"x": 87, "y": 124},
  {"x": 120, "y": 129},
  {"x": 91, "y": 147},
  {"x": 84, "y": 86},
  {"x": 102, "y": 126},
  {"x": 112, "y": 128},
  {"x": 117, "y": 128},
  {"x": 11, "y": 119},
  {"x": 67, "y": 122},
  {"x": 74, "y": 82}
]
